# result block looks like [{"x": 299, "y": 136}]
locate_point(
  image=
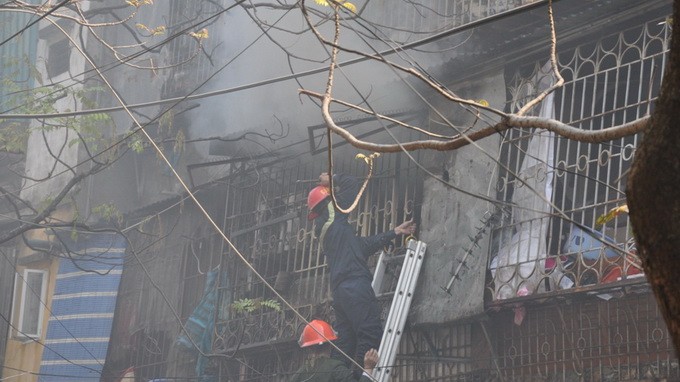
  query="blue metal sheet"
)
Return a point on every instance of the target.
[
  {"x": 81, "y": 305},
  {"x": 81, "y": 316},
  {"x": 76, "y": 350},
  {"x": 79, "y": 328},
  {"x": 72, "y": 373},
  {"x": 93, "y": 283}
]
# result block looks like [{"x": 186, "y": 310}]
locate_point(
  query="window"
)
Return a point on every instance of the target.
[
  {"x": 607, "y": 82},
  {"x": 58, "y": 57},
  {"x": 30, "y": 290}
]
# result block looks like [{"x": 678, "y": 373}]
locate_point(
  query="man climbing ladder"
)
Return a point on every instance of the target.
[{"x": 356, "y": 308}]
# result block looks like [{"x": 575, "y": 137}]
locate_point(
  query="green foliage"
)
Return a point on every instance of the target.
[
  {"x": 108, "y": 212},
  {"x": 76, "y": 217},
  {"x": 244, "y": 305},
  {"x": 179, "y": 141},
  {"x": 13, "y": 137},
  {"x": 271, "y": 304},
  {"x": 165, "y": 122},
  {"x": 45, "y": 203},
  {"x": 136, "y": 144},
  {"x": 247, "y": 305},
  {"x": 18, "y": 97}
]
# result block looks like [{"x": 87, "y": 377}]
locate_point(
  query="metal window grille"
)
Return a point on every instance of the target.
[
  {"x": 444, "y": 353},
  {"x": 608, "y": 82},
  {"x": 409, "y": 20},
  {"x": 266, "y": 219},
  {"x": 264, "y": 214},
  {"x": 619, "y": 340},
  {"x": 193, "y": 66}
]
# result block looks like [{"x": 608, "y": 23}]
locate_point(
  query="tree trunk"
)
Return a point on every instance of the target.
[{"x": 654, "y": 192}]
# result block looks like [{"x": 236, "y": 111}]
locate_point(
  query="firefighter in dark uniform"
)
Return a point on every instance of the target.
[
  {"x": 319, "y": 366},
  {"x": 357, "y": 310}
]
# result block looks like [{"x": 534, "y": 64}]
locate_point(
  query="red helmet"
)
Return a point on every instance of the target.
[
  {"x": 316, "y": 196},
  {"x": 317, "y": 332}
]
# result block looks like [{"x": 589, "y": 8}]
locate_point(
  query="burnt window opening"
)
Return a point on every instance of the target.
[{"x": 58, "y": 58}]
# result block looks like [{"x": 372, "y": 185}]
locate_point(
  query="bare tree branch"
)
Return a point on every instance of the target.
[
  {"x": 51, "y": 206},
  {"x": 512, "y": 121}
]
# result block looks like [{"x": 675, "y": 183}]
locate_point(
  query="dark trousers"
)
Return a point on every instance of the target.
[{"x": 357, "y": 319}]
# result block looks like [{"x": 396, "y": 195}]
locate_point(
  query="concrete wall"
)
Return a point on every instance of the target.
[
  {"x": 450, "y": 217},
  {"x": 49, "y": 150}
]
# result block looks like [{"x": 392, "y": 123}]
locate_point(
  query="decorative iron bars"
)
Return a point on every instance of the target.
[
  {"x": 437, "y": 354},
  {"x": 588, "y": 340},
  {"x": 265, "y": 217},
  {"x": 185, "y": 48},
  {"x": 407, "y": 21},
  {"x": 619, "y": 340},
  {"x": 556, "y": 236}
]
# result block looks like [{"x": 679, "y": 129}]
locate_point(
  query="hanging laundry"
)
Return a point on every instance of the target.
[{"x": 197, "y": 336}]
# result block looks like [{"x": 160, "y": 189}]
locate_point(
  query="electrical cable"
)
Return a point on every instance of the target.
[
  {"x": 242, "y": 375},
  {"x": 207, "y": 216},
  {"x": 365, "y": 101},
  {"x": 140, "y": 126},
  {"x": 180, "y": 99},
  {"x": 196, "y": 88},
  {"x": 286, "y": 77},
  {"x": 22, "y": 30},
  {"x": 123, "y": 60},
  {"x": 559, "y": 211},
  {"x": 152, "y": 120},
  {"x": 35, "y": 373},
  {"x": 44, "y": 304},
  {"x": 157, "y": 117},
  {"x": 99, "y": 259},
  {"x": 184, "y": 198},
  {"x": 190, "y": 194},
  {"x": 330, "y": 145},
  {"x": 35, "y": 340},
  {"x": 423, "y": 99}
]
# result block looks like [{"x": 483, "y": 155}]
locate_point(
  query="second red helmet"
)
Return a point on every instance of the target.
[{"x": 317, "y": 332}]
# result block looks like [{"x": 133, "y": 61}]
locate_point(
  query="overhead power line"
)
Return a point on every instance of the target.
[
  {"x": 118, "y": 62},
  {"x": 286, "y": 77},
  {"x": 22, "y": 30}
]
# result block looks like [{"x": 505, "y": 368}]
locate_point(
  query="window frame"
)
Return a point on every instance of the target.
[
  {"x": 18, "y": 325},
  {"x": 58, "y": 57}
]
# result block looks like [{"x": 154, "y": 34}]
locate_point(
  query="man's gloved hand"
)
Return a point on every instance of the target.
[
  {"x": 406, "y": 228},
  {"x": 371, "y": 359}
]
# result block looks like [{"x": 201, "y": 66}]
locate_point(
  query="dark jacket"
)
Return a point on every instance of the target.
[
  {"x": 326, "y": 370},
  {"x": 346, "y": 253}
]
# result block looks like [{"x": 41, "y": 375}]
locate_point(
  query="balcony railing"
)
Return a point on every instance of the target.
[
  {"x": 406, "y": 21},
  {"x": 554, "y": 236}
]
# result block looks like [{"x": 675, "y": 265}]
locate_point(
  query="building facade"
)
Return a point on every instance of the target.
[
  {"x": 524, "y": 279},
  {"x": 527, "y": 286}
]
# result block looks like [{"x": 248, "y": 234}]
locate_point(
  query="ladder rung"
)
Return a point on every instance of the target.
[
  {"x": 394, "y": 259},
  {"x": 401, "y": 302},
  {"x": 385, "y": 295}
]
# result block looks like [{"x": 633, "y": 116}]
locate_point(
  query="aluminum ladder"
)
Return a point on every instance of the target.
[{"x": 401, "y": 303}]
